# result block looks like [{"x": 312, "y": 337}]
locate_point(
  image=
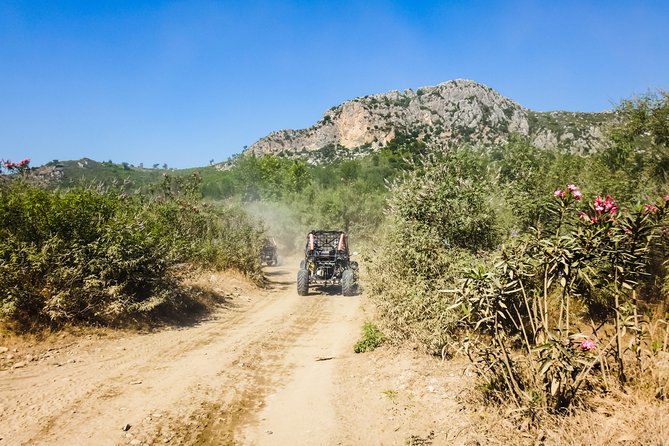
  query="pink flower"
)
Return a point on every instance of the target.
[
  {"x": 588, "y": 344},
  {"x": 24, "y": 162},
  {"x": 584, "y": 216},
  {"x": 571, "y": 189},
  {"x": 666, "y": 198},
  {"x": 608, "y": 204}
]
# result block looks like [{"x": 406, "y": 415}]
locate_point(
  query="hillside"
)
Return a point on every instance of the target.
[
  {"x": 87, "y": 170},
  {"x": 458, "y": 111}
]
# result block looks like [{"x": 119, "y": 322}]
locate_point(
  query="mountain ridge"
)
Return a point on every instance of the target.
[{"x": 453, "y": 112}]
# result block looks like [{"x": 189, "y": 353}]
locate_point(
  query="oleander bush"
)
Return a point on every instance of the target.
[{"x": 529, "y": 344}]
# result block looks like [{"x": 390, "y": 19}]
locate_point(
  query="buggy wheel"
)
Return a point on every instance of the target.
[
  {"x": 302, "y": 282},
  {"x": 347, "y": 283},
  {"x": 303, "y": 264}
]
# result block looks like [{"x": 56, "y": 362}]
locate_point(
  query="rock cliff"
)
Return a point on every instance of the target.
[{"x": 454, "y": 112}]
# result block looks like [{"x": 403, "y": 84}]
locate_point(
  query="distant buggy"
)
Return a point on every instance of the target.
[
  {"x": 326, "y": 262},
  {"x": 268, "y": 254}
]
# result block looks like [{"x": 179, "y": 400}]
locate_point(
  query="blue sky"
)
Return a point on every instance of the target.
[{"x": 183, "y": 82}]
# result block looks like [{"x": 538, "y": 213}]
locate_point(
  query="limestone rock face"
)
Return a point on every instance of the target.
[{"x": 458, "y": 111}]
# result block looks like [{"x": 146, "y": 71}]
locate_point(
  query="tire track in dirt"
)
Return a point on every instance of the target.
[
  {"x": 274, "y": 368},
  {"x": 263, "y": 368},
  {"x": 141, "y": 376}
]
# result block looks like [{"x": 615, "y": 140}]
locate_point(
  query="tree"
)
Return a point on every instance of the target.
[{"x": 640, "y": 141}]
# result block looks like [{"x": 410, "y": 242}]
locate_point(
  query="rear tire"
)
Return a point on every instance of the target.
[
  {"x": 348, "y": 283},
  {"x": 302, "y": 282}
]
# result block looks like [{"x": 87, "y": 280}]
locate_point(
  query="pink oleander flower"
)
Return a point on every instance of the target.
[
  {"x": 607, "y": 204},
  {"x": 558, "y": 193},
  {"x": 588, "y": 345},
  {"x": 574, "y": 191},
  {"x": 666, "y": 198},
  {"x": 583, "y": 216},
  {"x": 24, "y": 162}
]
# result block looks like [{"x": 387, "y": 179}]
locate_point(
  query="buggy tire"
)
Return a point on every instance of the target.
[
  {"x": 303, "y": 264},
  {"x": 302, "y": 282},
  {"x": 348, "y": 283}
]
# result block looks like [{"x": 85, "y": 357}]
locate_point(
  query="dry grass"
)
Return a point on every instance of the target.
[
  {"x": 615, "y": 420},
  {"x": 632, "y": 418}
]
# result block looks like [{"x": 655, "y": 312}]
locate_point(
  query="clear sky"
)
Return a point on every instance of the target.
[{"x": 183, "y": 82}]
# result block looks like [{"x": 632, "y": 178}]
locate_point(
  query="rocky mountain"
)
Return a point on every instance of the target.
[{"x": 454, "y": 112}]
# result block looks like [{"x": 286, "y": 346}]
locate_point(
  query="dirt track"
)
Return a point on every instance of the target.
[{"x": 270, "y": 367}]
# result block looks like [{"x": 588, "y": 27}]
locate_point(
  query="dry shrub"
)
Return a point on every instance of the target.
[
  {"x": 632, "y": 418},
  {"x": 404, "y": 280},
  {"x": 439, "y": 217}
]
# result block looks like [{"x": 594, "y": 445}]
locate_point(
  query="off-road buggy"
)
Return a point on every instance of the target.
[
  {"x": 268, "y": 254},
  {"x": 327, "y": 262}
]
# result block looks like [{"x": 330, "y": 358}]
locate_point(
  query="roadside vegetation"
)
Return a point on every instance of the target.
[
  {"x": 96, "y": 255},
  {"x": 370, "y": 338},
  {"x": 547, "y": 270}
]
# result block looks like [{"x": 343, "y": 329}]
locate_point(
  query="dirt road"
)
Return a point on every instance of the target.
[{"x": 269, "y": 368}]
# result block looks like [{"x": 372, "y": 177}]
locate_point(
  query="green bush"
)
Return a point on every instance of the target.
[
  {"x": 98, "y": 256},
  {"x": 370, "y": 339},
  {"x": 439, "y": 219},
  {"x": 530, "y": 346}
]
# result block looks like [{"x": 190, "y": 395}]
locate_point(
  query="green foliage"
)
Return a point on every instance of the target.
[
  {"x": 100, "y": 256},
  {"x": 370, "y": 339},
  {"x": 640, "y": 140},
  {"x": 268, "y": 177},
  {"x": 526, "y": 300},
  {"x": 86, "y": 172},
  {"x": 520, "y": 307},
  {"x": 448, "y": 198},
  {"x": 438, "y": 219}
]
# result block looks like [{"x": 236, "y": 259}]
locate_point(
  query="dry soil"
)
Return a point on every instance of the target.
[{"x": 269, "y": 367}]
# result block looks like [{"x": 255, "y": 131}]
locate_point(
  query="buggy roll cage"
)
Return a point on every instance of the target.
[{"x": 328, "y": 248}]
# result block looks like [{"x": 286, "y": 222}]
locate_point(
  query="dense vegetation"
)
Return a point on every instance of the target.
[
  {"x": 548, "y": 270},
  {"x": 99, "y": 255}
]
